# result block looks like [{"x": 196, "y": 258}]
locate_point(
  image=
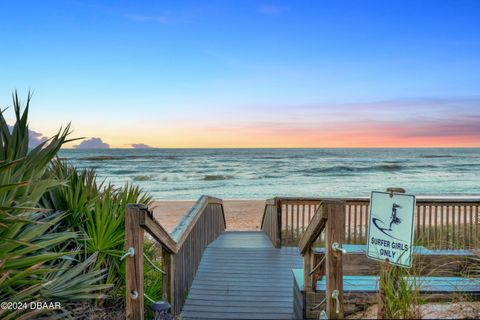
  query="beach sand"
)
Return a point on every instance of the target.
[{"x": 240, "y": 214}]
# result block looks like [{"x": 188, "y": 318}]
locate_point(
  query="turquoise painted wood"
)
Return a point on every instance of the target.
[{"x": 369, "y": 284}]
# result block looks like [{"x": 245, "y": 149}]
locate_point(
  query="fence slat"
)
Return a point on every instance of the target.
[
  {"x": 417, "y": 229},
  {"x": 286, "y": 225},
  {"x": 348, "y": 223},
  {"x": 297, "y": 213},
  {"x": 303, "y": 218},
  {"x": 448, "y": 227}
]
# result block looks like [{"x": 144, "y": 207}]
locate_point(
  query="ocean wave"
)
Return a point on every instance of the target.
[
  {"x": 126, "y": 157},
  {"x": 107, "y": 158},
  {"x": 269, "y": 176},
  {"x": 390, "y": 167},
  {"x": 464, "y": 167},
  {"x": 143, "y": 178},
  {"x": 429, "y": 156},
  {"x": 124, "y": 171},
  {"x": 213, "y": 177},
  {"x": 469, "y": 165}
]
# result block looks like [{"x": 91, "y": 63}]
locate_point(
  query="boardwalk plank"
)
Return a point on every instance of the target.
[{"x": 242, "y": 276}]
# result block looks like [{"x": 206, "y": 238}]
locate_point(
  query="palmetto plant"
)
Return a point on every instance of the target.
[
  {"x": 77, "y": 195},
  {"x": 36, "y": 262},
  {"x": 97, "y": 211},
  {"x": 105, "y": 227}
]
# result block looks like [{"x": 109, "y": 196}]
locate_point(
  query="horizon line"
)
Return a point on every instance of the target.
[{"x": 298, "y": 148}]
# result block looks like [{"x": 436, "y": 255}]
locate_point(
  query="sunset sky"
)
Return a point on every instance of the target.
[{"x": 247, "y": 73}]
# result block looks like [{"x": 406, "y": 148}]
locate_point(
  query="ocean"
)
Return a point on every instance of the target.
[{"x": 174, "y": 174}]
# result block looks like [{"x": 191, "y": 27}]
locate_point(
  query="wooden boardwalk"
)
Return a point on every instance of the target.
[{"x": 242, "y": 276}]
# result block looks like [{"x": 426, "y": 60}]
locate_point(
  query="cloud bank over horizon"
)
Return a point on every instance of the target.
[
  {"x": 34, "y": 138},
  {"x": 92, "y": 143},
  {"x": 140, "y": 146}
]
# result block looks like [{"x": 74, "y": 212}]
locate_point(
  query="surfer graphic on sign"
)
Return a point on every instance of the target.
[{"x": 394, "y": 220}]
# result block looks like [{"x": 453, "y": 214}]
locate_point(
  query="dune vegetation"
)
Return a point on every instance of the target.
[{"x": 61, "y": 230}]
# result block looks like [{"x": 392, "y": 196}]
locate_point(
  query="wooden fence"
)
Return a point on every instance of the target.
[
  {"x": 439, "y": 223},
  {"x": 182, "y": 250}
]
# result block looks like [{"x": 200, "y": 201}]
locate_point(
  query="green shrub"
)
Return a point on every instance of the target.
[
  {"x": 62, "y": 232},
  {"x": 36, "y": 263}
]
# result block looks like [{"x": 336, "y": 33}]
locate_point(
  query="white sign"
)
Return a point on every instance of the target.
[{"x": 390, "y": 228}]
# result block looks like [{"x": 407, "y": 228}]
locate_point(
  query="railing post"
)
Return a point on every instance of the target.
[
  {"x": 278, "y": 243},
  {"x": 307, "y": 268},
  {"x": 134, "y": 215},
  {"x": 167, "y": 284},
  {"x": 334, "y": 234}
]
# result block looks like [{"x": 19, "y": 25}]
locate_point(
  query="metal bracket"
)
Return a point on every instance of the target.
[
  {"x": 134, "y": 295},
  {"x": 336, "y": 247},
  {"x": 335, "y": 295},
  {"x": 130, "y": 252}
]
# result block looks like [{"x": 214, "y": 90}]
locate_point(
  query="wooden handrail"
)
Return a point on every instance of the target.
[
  {"x": 185, "y": 225},
  {"x": 182, "y": 250},
  {"x": 315, "y": 227},
  {"x": 272, "y": 221},
  {"x": 268, "y": 202},
  {"x": 156, "y": 230}
]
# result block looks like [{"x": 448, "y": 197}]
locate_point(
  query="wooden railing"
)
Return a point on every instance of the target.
[
  {"x": 182, "y": 250},
  {"x": 271, "y": 222},
  {"x": 328, "y": 217},
  {"x": 440, "y": 223},
  {"x": 286, "y": 219}
]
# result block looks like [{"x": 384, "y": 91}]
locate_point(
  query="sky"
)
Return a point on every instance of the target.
[{"x": 246, "y": 73}]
